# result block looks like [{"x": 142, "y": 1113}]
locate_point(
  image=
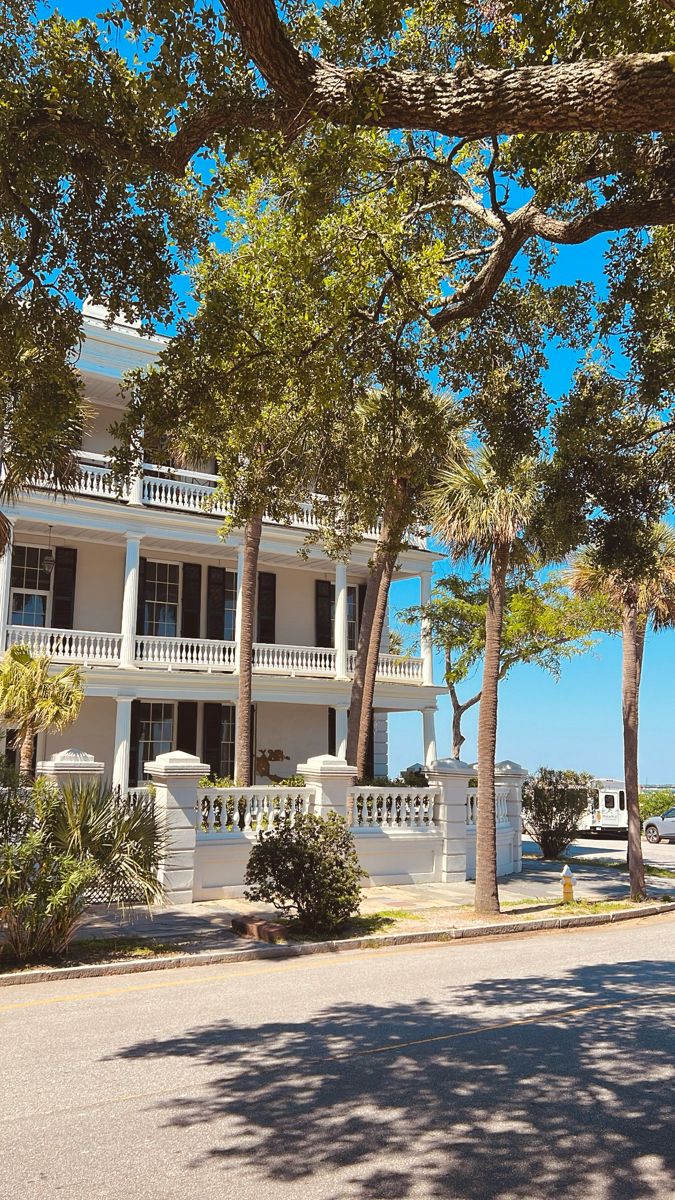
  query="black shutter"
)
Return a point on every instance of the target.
[
  {"x": 267, "y": 606},
  {"x": 215, "y": 604},
  {"x": 213, "y": 734},
  {"x": 331, "y": 731},
  {"x": 134, "y": 733},
  {"x": 186, "y": 726},
  {"x": 140, "y": 609},
  {"x": 63, "y": 598},
  {"x": 323, "y": 599},
  {"x": 191, "y": 608}
]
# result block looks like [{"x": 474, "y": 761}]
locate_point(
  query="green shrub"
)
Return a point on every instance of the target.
[
  {"x": 293, "y": 781},
  {"x": 652, "y": 804},
  {"x": 553, "y": 802},
  {"x": 220, "y": 781},
  {"x": 307, "y": 866},
  {"x": 60, "y": 848}
]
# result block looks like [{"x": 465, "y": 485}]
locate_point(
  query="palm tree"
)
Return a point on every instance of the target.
[
  {"x": 32, "y": 699},
  {"x": 639, "y": 598},
  {"x": 481, "y": 514}
]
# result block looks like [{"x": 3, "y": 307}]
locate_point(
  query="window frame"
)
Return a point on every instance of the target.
[
  {"x": 24, "y": 591},
  {"x": 142, "y": 758},
  {"x": 164, "y": 562}
]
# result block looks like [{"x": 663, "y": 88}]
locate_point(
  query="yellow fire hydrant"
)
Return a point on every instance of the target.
[{"x": 568, "y": 882}]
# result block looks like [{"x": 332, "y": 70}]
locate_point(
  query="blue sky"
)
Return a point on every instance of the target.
[{"x": 575, "y": 722}]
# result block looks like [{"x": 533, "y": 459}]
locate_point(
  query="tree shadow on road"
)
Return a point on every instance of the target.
[{"x": 475, "y": 1097}]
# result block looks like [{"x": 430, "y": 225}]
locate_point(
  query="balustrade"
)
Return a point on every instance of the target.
[
  {"x": 388, "y": 807},
  {"x": 396, "y": 667},
  {"x": 501, "y": 806},
  {"x": 293, "y": 660},
  {"x": 185, "y": 654},
  {"x": 68, "y": 645},
  {"x": 231, "y": 811}
]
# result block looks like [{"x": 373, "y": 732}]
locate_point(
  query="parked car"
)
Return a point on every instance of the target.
[{"x": 659, "y": 829}]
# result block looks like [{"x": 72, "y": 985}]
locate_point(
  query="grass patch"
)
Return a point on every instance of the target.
[
  {"x": 360, "y": 926},
  {"x": 91, "y": 950}
]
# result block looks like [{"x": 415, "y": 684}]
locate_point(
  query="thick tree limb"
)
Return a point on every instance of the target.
[{"x": 634, "y": 93}]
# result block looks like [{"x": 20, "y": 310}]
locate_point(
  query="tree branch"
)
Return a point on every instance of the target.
[{"x": 633, "y": 93}]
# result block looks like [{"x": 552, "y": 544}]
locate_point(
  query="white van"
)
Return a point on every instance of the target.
[{"x": 608, "y": 813}]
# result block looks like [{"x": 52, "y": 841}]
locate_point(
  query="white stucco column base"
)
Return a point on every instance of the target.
[
  {"x": 71, "y": 766},
  {"x": 176, "y": 777},
  {"x": 452, "y": 777},
  {"x": 333, "y": 779},
  {"x": 511, "y": 775}
]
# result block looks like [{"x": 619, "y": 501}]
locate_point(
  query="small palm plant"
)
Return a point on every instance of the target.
[
  {"x": 33, "y": 699},
  {"x": 483, "y": 515},
  {"x": 639, "y": 599},
  {"x": 61, "y": 849}
]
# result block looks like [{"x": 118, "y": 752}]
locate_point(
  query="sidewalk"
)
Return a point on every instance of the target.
[{"x": 206, "y": 925}]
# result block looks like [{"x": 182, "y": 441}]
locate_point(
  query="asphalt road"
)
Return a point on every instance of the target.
[{"x": 515, "y": 1069}]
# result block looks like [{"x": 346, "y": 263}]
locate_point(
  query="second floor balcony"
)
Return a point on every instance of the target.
[
  {"x": 174, "y": 490},
  {"x": 91, "y": 649}
]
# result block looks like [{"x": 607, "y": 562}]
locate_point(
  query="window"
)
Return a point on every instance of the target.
[
  {"x": 160, "y": 606},
  {"x": 227, "y": 733},
  {"x": 155, "y": 731},
  {"x": 30, "y": 584},
  {"x": 670, "y": 812},
  {"x": 622, "y": 801},
  {"x": 609, "y": 802},
  {"x": 352, "y": 618},
  {"x": 230, "y": 606}
]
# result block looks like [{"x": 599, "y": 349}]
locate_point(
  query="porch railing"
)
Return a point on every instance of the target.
[
  {"x": 293, "y": 660},
  {"x": 231, "y": 811},
  {"x": 397, "y": 667},
  {"x": 501, "y": 806},
  {"x": 178, "y": 490},
  {"x": 185, "y": 654},
  {"x": 391, "y": 807},
  {"x": 68, "y": 645}
]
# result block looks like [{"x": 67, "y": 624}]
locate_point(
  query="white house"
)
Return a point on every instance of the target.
[{"x": 140, "y": 590}]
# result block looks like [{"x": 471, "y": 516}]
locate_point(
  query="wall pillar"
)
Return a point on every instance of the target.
[
  {"x": 426, "y": 640},
  {"x": 429, "y": 735},
  {"x": 71, "y": 766},
  {"x": 130, "y": 602},
  {"x": 176, "y": 777},
  {"x": 511, "y": 775},
  {"x": 5, "y": 585},
  {"x": 120, "y": 773},
  {"x": 340, "y": 635},
  {"x": 341, "y": 712},
  {"x": 452, "y": 778},
  {"x": 333, "y": 780},
  {"x": 238, "y": 612}
]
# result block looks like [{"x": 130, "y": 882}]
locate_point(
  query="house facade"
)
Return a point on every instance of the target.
[{"x": 139, "y": 589}]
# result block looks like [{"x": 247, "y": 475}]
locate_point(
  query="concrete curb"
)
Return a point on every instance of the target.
[{"x": 206, "y": 958}]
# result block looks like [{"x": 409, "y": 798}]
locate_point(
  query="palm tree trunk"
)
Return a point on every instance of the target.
[
  {"x": 26, "y": 753},
  {"x": 370, "y": 673},
  {"x": 363, "y": 663},
  {"x": 487, "y": 894},
  {"x": 632, "y": 645},
  {"x": 252, "y": 535}
]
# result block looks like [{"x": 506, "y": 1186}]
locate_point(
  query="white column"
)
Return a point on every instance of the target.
[
  {"x": 340, "y": 635},
  {"x": 341, "y": 730},
  {"x": 512, "y": 775},
  {"x": 426, "y": 641},
  {"x": 120, "y": 774},
  {"x": 130, "y": 602},
  {"x": 237, "y": 615},
  {"x": 332, "y": 779},
  {"x": 429, "y": 735},
  {"x": 176, "y": 777},
  {"x": 5, "y": 586}
]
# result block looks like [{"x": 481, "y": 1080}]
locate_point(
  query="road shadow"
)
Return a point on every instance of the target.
[{"x": 454, "y": 1100}]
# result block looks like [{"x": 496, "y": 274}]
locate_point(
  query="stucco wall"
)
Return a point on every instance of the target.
[
  {"x": 295, "y": 730},
  {"x": 97, "y": 439},
  {"x": 99, "y": 584},
  {"x": 93, "y": 732},
  {"x": 295, "y": 607}
]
